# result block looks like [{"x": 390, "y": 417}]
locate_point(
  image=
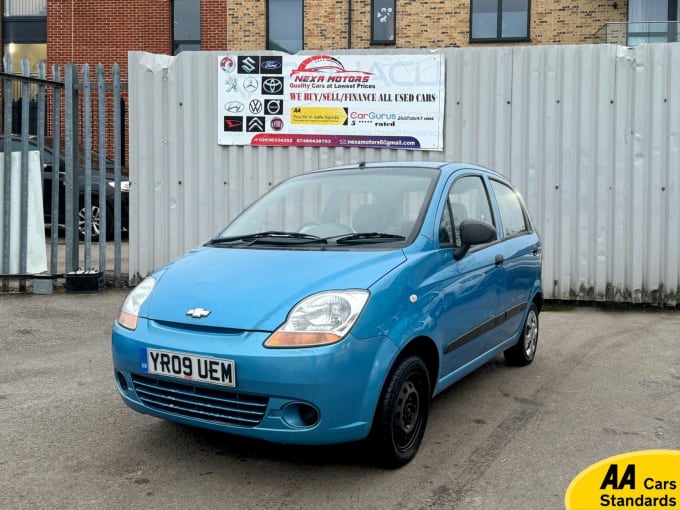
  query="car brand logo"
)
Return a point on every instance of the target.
[
  {"x": 234, "y": 107},
  {"x": 227, "y": 64},
  {"x": 255, "y": 124},
  {"x": 273, "y": 106},
  {"x": 233, "y": 123},
  {"x": 198, "y": 313},
  {"x": 230, "y": 84},
  {"x": 271, "y": 66},
  {"x": 248, "y": 65},
  {"x": 250, "y": 84},
  {"x": 255, "y": 106},
  {"x": 272, "y": 86},
  {"x": 276, "y": 124}
]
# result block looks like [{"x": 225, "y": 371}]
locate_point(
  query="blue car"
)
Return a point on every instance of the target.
[{"x": 336, "y": 306}]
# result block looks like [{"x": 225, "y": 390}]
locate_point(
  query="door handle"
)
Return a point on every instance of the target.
[
  {"x": 499, "y": 260},
  {"x": 536, "y": 250}
]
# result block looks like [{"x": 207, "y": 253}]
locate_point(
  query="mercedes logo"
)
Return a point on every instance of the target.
[{"x": 250, "y": 84}]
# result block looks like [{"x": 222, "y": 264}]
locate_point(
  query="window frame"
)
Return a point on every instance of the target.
[
  {"x": 454, "y": 232},
  {"x": 392, "y": 21},
  {"x": 528, "y": 225},
  {"x": 180, "y": 45},
  {"x": 268, "y": 39},
  {"x": 499, "y": 23}
]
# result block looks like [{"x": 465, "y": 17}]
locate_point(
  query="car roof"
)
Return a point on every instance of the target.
[{"x": 447, "y": 168}]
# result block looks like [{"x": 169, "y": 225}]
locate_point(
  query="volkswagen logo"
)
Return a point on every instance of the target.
[
  {"x": 250, "y": 84},
  {"x": 255, "y": 106},
  {"x": 198, "y": 313},
  {"x": 272, "y": 86},
  {"x": 234, "y": 107}
]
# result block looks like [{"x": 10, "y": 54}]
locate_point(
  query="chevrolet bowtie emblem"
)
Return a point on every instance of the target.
[{"x": 198, "y": 313}]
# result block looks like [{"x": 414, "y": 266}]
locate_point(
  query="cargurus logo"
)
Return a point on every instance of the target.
[{"x": 373, "y": 116}]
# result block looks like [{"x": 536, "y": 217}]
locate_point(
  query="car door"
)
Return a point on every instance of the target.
[
  {"x": 470, "y": 285},
  {"x": 520, "y": 257}
]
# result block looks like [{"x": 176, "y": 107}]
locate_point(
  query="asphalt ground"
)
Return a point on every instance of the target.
[{"x": 604, "y": 382}]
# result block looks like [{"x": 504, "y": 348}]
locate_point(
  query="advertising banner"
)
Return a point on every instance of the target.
[{"x": 376, "y": 101}]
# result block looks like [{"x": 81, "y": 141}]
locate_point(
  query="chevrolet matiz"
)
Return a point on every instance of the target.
[{"x": 336, "y": 306}]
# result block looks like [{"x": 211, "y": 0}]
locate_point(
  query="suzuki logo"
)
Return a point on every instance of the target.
[
  {"x": 198, "y": 313},
  {"x": 248, "y": 64}
]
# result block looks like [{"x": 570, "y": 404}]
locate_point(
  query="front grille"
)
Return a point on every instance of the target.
[{"x": 199, "y": 402}]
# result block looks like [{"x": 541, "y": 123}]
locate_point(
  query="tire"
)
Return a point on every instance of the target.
[
  {"x": 401, "y": 414},
  {"x": 524, "y": 351},
  {"x": 96, "y": 218}
]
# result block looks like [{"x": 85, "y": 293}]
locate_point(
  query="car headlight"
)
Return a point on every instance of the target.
[
  {"x": 320, "y": 319},
  {"x": 129, "y": 311},
  {"x": 124, "y": 185}
]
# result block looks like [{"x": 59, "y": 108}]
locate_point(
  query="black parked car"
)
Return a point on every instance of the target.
[{"x": 48, "y": 160}]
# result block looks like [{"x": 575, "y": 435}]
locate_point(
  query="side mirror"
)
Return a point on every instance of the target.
[{"x": 474, "y": 232}]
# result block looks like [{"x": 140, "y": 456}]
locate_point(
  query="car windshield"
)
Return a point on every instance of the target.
[{"x": 346, "y": 207}]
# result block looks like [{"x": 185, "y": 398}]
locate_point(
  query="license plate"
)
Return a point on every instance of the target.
[{"x": 190, "y": 367}]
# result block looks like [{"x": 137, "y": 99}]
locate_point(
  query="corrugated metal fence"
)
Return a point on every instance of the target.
[
  {"x": 589, "y": 133},
  {"x": 56, "y": 125}
]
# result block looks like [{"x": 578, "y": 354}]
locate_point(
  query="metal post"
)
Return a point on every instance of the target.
[
  {"x": 117, "y": 211},
  {"x": 103, "y": 213},
  {"x": 70, "y": 177},
  {"x": 23, "y": 202},
  {"x": 56, "y": 151},
  {"x": 87, "y": 150},
  {"x": 7, "y": 177}
]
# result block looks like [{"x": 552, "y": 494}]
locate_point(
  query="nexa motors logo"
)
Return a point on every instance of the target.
[{"x": 327, "y": 69}]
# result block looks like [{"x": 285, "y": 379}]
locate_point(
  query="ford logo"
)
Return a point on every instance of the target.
[{"x": 271, "y": 65}]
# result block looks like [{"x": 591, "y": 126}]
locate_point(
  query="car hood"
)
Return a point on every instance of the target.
[{"x": 254, "y": 289}]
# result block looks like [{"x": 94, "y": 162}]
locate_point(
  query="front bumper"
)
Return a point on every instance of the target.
[{"x": 277, "y": 390}]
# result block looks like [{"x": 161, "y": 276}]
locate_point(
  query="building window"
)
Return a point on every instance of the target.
[
  {"x": 186, "y": 26},
  {"x": 652, "y": 21},
  {"x": 499, "y": 20},
  {"x": 285, "y": 25},
  {"x": 25, "y": 8},
  {"x": 383, "y": 22}
]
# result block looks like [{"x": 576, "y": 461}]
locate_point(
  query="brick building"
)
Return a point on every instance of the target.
[
  {"x": 80, "y": 31},
  {"x": 93, "y": 32}
]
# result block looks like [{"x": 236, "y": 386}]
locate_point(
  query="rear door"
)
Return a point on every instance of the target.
[{"x": 519, "y": 249}]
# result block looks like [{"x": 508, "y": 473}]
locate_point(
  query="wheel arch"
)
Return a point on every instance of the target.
[{"x": 425, "y": 348}]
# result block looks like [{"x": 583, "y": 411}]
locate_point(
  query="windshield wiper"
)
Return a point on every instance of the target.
[
  {"x": 276, "y": 237},
  {"x": 369, "y": 237}
]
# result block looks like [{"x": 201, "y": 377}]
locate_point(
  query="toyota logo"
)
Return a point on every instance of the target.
[
  {"x": 250, "y": 84},
  {"x": 272, "y": 86}
]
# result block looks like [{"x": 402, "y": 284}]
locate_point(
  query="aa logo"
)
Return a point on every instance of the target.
[{"x": 643, "y": 479}]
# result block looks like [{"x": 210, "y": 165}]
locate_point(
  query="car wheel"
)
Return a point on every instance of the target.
[
  {"x": 96, "y": 220},
  {"x": 524, "y": 351},
  {"x": 401, "y": 415}
]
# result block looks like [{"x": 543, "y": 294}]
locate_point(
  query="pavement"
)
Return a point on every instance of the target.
[{"x": 604, "y": 382}]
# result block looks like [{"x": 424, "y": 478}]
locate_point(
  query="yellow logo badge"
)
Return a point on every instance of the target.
[{"x": 642, "y": 479}]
